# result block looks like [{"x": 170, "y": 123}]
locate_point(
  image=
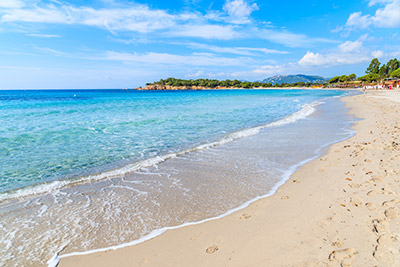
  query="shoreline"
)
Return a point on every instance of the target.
[
  {"x": 219, "y": 237},
  {"x": 305, "y": 112},
  {"x": 204, "y": 89},
  {"x": 264, "y": 88},
  {"x": 46, "y": 187},
  {"x": 156, "y": 233},
  {"x": 73, "y": 211}
]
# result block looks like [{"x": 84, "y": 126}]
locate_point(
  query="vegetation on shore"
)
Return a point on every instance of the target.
[
  {"x": 208, "y": 83},
  {"x": 374, "y": 73}
]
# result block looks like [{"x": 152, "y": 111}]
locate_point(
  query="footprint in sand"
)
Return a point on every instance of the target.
[
  {"x": 386, "y": 239},
  {"x": 383, "y": 254},
  {"x": 390, "y": 202},
  {"x": 245, "y": 216},
  {"x": 383, "y": 191},
  {"x": 370, "y": 206},
  {"x": 212, "y": 249},
  {"x": 391, "y": 213},
  {"x": 337, "y": 244},
  {"x": 379, "y": 226},
  {"x": 344, "y": 256}
]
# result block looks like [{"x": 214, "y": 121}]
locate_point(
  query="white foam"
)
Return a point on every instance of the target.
[
  {"x": 307, "y": 110},
  {"x": 55, "y": 259},
  {"x": 285, "y": 176},
  {"x": 42, "y": 210},
  {"x": 129, "y": 188},
  {"x": 88, "y": 202}
]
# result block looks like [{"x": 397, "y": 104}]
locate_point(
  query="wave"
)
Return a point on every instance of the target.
[
  {"x": 284, "y": 178},
  {"x": 306, "y": 111},
  {"x": 53, "y": 262}
]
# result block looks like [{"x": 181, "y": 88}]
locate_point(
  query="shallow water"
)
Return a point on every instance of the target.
[
  {"x": 187, "y": 187},
  {"x": 56, "y": 135}
]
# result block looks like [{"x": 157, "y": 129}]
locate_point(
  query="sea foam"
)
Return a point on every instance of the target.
[{"x": 307, "y": 110}]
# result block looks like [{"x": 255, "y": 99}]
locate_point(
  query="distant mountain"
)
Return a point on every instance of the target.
[{"x": 279, "y": 79}]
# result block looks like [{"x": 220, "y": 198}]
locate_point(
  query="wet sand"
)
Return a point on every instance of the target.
[{"x": 341, "y": 209}]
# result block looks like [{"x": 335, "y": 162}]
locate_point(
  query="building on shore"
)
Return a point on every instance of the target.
[{"x": 393, "y": 82}]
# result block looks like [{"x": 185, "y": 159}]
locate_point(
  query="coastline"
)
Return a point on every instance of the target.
[
  {"x": 334, "y": 219},
  {"x": 41, "y": 188},
  {"x": 73, "y": 210},
  {"x": 258, "y": 88}
]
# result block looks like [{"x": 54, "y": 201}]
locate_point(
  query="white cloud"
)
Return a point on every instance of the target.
[
  {"x": 199, "y": 59},
  {"x": 263, "y": 50},
  {"x": 239, "y": 10},
  {"x": 139, "y": 18},
  {"x": 11, "y": 4},
  {"x": 135, "y": 18},
  {"x": 313, "y": 59},
  {"x": 374, "y": 2},
  {"x": 346, "y": 54},
  {"x": 206, "y": 31},
  {"x": 349, "y": 46},
  {"x": 43, "y": 35},
  {"x": 387, "y": 16},
  {"x": 52, "y": 51},
  {"x": 50, "y": 14},
  {"x": 245, "y": 51},
  {"x": 287, "y": 38},
  {"x": 377, "y": 54},
  {"x": 357, "y": 20},
  {"x": 204, "y": 74}
]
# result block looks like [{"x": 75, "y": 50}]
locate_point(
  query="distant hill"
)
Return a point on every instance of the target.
[{"x": 279, "y": 79}]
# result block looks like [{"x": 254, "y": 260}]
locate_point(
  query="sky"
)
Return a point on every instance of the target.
[{"x": 76, "y": 44}]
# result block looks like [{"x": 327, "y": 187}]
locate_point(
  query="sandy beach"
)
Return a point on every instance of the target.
[{"x": 341, "y": 209}]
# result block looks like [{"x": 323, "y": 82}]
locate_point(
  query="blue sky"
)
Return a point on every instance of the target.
[{"x": 124, "y": 43}]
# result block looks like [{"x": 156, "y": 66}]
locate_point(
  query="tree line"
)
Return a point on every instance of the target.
[
  {"x": 212, "y": 83},
  {"x": 375, "y": 72}
]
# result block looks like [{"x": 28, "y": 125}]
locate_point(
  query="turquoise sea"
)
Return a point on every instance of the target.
[
  {"x": 160, "y": 158},
  {"x": 51, "y": 135}
]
